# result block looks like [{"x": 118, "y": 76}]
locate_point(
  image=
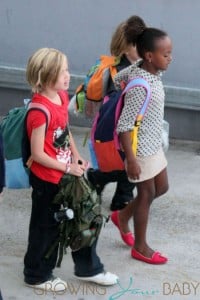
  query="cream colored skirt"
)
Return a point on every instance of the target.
[{"x": 151, "y": 165}]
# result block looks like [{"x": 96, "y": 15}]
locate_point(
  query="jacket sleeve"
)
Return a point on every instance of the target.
[
  {"x": 121, "y": 79},
  {"x": 133, "y": 102}
]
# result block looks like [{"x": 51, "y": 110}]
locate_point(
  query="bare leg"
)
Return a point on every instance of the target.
[
  {"x": 152, "y": 189},
  {"x": 161, "y": 183},
  {"x": 125, "y": 215},
  {"x": 147, "y": 191}
]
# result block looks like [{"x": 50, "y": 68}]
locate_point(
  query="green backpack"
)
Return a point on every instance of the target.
[
  {"x": 80, "y": 217},
  {"x": 16, "y": 143}
]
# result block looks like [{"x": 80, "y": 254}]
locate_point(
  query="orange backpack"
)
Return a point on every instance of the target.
[
  {"x": 89, "y": 95},
  {"x": 97, "y": 84}
]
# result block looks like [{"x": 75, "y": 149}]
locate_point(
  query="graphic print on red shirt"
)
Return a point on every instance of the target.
[{"x": 57, "y": 125}]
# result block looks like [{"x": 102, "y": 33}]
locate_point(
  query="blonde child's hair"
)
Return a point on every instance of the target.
[
  {"x": 118, "y": 43},
  {"x": 43, "y": 68}
]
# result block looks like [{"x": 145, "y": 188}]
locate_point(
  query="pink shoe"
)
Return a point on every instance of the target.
[
  {"x": 156, "y": 259},
  {"x": 126, "y": 237}
]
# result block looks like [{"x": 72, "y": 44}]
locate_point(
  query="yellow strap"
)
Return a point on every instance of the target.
[
  {"x": 134, "y": 134},
  {"x": 134, "y": 139}
]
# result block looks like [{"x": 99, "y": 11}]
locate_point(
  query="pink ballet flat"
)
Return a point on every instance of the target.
[
  {"x": 126, "y": 237},
  {"x": 156, "y": 259}
]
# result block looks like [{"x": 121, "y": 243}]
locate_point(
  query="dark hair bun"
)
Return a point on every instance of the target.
[{"x": 134, "y": 27}]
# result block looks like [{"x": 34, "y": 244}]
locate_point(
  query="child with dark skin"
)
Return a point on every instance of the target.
[{"x": 147, "y": 169}]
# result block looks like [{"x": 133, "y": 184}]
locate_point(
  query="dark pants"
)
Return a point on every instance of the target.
[
  {"x": 124, "y": 189},
  {"x": 43, "y": 231}
]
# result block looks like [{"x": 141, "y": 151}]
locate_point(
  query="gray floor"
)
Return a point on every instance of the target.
[{"x": 174, "y": 225}]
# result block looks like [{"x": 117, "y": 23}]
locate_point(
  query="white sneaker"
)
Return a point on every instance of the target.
[
  {"x": 105, "y": 278},
  {"x": 53, "y": 285}
]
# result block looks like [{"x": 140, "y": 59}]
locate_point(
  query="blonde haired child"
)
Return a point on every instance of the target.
[{"x": 48, "y": 75}]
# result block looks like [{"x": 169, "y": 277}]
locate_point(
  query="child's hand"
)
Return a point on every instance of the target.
[
  {"x": 75, "y": 169},
  {"x": 83, "y": 163},
  {"x": 133, "y": 170}
]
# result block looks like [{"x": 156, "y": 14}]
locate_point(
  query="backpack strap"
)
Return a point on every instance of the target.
[
  {"x": 42, "y": 108},
  {"x": 134, "y": 134},
  {"x": 136, "y": 82},
  {"x": 139, "y": 82}
]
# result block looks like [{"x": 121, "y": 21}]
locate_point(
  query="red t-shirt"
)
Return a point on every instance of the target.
[{"x": 59, "y": 119}]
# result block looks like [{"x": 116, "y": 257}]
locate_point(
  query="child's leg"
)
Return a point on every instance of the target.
[
  {"x": 147, "y": 191},
  {"x": 145, "y": 196},
  {"x": 88, "y": 267},
  {"x": 161, "y": 187},
  {"x": 161, "y": 183},
  {"x": 125, "y": 215},
  {"x": 43, "y": 232},
  {"x": 123, "y": 192},
  {"x": 86, "y": 261}
]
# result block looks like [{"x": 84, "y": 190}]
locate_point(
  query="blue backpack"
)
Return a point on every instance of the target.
[{"x": 104, "y": 146}]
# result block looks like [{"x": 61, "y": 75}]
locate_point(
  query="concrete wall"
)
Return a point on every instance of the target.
[{"x": 83, "y": 28}]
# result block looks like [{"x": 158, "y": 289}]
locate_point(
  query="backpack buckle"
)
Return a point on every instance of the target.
[{"x": 137, "y": 123}]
